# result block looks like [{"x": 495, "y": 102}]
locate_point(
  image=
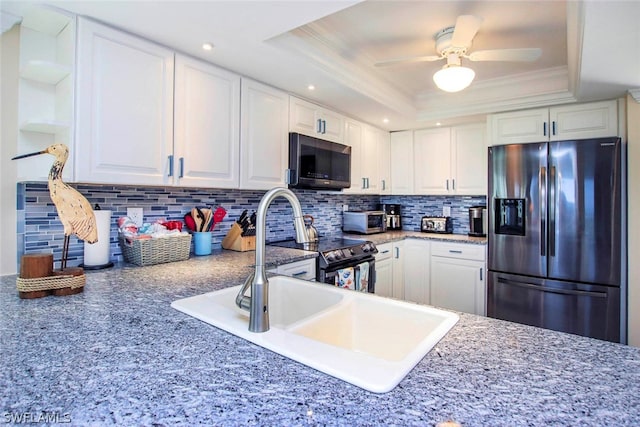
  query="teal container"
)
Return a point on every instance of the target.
[{"x": 202, "y": 243}]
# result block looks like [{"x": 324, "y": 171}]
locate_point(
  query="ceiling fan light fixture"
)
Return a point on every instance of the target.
[{"x": 453, "y": 78}]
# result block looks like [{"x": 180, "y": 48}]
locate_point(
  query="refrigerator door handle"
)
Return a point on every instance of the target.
[
  {"x": 552, "y": 290},
  {"x": 542, "y": 192},
  {"x": 552, "y": 210}
]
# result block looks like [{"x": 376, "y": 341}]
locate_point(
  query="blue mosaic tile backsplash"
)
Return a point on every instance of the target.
[{"x": 40, "y": 231}]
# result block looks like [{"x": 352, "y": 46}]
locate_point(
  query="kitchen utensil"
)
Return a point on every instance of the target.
[
  {"x": 189, "y": 221},
  {"x": 243, "y": 215},
  {"x": 208, "y": 216},
  {"x": 198, "y": 217},
  {"x": 218, "y": 216},
  {"x": 311, "y": 230}
]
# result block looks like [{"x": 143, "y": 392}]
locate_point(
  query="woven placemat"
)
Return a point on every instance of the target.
[{"x": 50, "y": 282}]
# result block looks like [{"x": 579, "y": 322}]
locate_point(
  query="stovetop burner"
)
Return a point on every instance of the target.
[{"x": 334, "y": 249}]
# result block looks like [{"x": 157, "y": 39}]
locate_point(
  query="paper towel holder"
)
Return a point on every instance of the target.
[{"x": 106, "y": 225}]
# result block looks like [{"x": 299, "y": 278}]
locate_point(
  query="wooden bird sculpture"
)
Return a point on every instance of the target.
[{"x": 73, "y": 208}]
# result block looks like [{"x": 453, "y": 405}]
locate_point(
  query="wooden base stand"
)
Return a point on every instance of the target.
[
  {"x": 38, "y": 279},
  {"x": 236, "y": 242}
]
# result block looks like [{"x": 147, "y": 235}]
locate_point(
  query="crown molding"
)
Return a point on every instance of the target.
[
  {"x": 635, "y": 94},
  {"x": 522, "y": 91},
  {"x": 310, "y": 42},
  {"x": 8, "y": 20}
]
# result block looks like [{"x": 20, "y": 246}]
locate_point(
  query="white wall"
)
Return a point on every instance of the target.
[
  {"x": 633, "y": 213},
  {"x": 9, "y": 49}
]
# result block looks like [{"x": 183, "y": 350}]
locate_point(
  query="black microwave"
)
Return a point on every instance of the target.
[{"x": 318, "y": 164}]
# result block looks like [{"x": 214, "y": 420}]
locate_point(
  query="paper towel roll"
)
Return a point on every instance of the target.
[{"x": 97, "y": 254}]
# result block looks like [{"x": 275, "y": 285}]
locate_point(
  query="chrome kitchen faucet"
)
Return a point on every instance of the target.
[{"x": 258, "y": 303}]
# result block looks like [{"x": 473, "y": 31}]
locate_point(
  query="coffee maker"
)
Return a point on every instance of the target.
[
  {"x": 394, "y": 221},
  {"x": 478, "y": 221}
]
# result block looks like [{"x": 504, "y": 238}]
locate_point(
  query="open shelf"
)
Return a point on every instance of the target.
[
  {"x": 45, "y": 71},
  {"x": 44, "y": 126}
]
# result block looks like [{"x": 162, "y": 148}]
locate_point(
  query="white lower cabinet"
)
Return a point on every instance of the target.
[
  {"x": 390, "y": 270},
  {"x": 416, "y": 270},
  {"x": 443, "y": 274},
  {"x": 305, "y": 269},
  {"x": 458, "y": 277}
]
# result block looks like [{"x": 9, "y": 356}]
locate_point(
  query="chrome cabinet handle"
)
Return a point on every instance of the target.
[
  {"x": 481, "y": 274},
  {"x": 300, "y": 273},
  {"x": 452, "y": 251},
  {"x": 384, "y": 184},
  {"x": 397, "y": 253},
  {"x": 553, "y": 127},
  {"x": 367, "y": 182},
  {"x": 181, "y": 175},
  {"x": 544, "y": 129},
  {"x": 454, "y": 184},
  {"x": 385, "y": 251},
  {"x": 170, "y": 165},
  {"x": 447, "y": 185},
  {"x": 364, "y": 183},
  {"x": 324, "y": 126},
  {"x": 319, "y": 128}
]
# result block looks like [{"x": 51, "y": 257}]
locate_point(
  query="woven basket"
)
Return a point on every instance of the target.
[{"x": 156, "y": 251}]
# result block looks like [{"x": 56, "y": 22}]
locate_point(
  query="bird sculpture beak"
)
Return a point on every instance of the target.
[{"x": 22, "y": 156}]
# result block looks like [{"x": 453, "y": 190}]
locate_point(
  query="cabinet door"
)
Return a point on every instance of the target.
[
  {"x": 384, "y": 162},
  {"x": 398, "y": 270},
  {"x": 302, "y": 117},
  {"x": 304, "y": 270},
  {"x": 332, "y": 126},
  {"x": 124, "y": 112},
  {"x": 401, "y": 162},
  {"x": 592, "y": 120},
  {"x": 353, "y": 138},
  {"x": 264, "y": 143},
  {"x": 432, "y": 161},
  {"x": 458, "y": 284},
  {"x": 313, "y": 120},
  {"x": 519, "y": 127},
  {"x": 416, "y": 271},
  {"x": 469, "y": 160},
  {"x": 207, "y": 124},
  {"x": 369, "y": 159},
  {"x": 384, "y": 278}
]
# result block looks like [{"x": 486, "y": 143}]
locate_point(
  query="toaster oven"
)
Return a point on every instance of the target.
[{"x": 436, "y": 224}]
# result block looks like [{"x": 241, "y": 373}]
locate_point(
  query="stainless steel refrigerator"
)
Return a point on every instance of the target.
[{"x": 556, "y": 236}]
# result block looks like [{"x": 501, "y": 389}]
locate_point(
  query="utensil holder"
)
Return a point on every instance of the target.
[
  {"x": 202, "y": 243},
  {"x": 236, "y": 242}
]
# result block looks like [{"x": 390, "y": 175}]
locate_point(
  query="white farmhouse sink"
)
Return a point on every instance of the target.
[{"x": 366, "y": 340}]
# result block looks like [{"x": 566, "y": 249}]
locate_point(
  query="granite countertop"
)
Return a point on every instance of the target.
[
  {"x": 395, "y": 235},
  {"x": 118, "y": 354}
]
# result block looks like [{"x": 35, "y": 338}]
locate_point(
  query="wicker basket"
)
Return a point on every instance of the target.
[{"x": 156, "y": 251}]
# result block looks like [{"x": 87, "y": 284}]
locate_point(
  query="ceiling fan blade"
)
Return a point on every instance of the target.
[
  {"x": 465, "y": 30},
  {"x": 409, "y": 60},
  {"x": 525, "y": 55}
]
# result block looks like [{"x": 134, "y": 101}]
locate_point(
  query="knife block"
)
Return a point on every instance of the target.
[{"x": 235, "y": 241}]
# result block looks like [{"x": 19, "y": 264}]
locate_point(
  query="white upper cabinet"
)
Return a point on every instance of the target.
[
  {"x": 469, "y": 167},
  {"x": 450, "y": 161},
  {"x": 367, "y": 147},
  {"x": 432, "y": 165},
  {"x": 579, "y": 121},
  {"x": 311, "y": 119},
  {"x": 207, "y": 124},
  {"x": 264, "y": 149},
  {"x": 401, "y": 162},
  {"x": 384, "y": 162},
  {"x": 124, "y": 127},
  {"x": 140, "y": 124}
]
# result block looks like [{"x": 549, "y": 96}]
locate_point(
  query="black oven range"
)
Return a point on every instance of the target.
[{"x": 348, "y": 263}]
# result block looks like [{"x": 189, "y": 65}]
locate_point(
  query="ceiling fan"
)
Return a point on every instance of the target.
[{"x": 452, "y": 44}]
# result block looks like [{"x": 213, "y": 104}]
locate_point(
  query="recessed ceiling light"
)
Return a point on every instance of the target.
[
  {"x": 385, "y": 120},
  {"x": 311, "y": 87},
  {"x": 207, "y": 46},
  {"x": 438, "y": 124}
]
